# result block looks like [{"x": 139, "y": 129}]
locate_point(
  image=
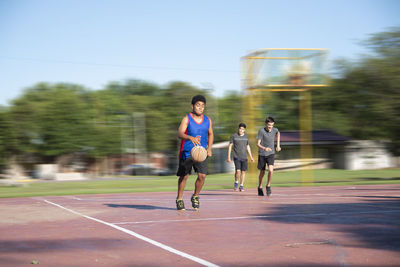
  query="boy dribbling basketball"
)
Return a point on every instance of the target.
[{"x": 195, "y": 129}]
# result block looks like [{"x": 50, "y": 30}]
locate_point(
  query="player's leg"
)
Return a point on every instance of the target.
[
  {"x": 237, "y": 173},
  {"x": 201, "y": 177},
  {"x": 270, "y": 163},
  {"x": 201, "y": 169},
  {"x": 242, "y": 178},
  {"x": 184, "y": 170},
  {"x": 181, "y": 185},
  {"x": 270, "y": 173},
  {"x": 260, "y": 178},
  {"x": 261, "y": 166},
  {"x": 243, "y": 170}
]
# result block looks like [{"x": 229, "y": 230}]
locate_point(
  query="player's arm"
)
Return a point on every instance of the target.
[
  {"x": 229, "y": 152},
  {"x": 210, "y": 139},
  {"x": 278, "y": 141},
  {"x": 182, "y": 129},
  {"x": 249, "y": 151},
  {"x": 262, "y": 147}
]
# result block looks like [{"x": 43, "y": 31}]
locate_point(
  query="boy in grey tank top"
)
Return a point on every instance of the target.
[
  {"x": 266, "y": 152},
  {"x": 240, "y": 143}
]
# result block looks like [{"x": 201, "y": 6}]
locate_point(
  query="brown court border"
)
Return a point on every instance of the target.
[{"x": 303, "y": 226}]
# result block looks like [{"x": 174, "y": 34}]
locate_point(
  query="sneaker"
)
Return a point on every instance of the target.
[
  {"x": 241, "y": 188},
  {"x": 235, "y": 187},
  {"x": 268, "y": 191},
  {"x": 195, "y": 202},
  {"x": 180, "y": 205},
  {"x": 260, "y": 191}
]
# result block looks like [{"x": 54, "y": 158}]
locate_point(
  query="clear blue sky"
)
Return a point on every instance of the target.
[{"x": 92, "y": 43}]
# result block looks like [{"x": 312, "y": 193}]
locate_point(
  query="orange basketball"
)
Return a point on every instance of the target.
[{"x": 198, "y": 153}]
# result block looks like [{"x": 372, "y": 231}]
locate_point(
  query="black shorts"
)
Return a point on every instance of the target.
[
  {"x": 265, "y": 160},
  {"x": 240, "y": 164},
  {"x": 185, "y": 167}
]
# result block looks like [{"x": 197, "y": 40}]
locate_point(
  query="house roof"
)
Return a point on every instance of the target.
[{"x": 318, "y": 137}]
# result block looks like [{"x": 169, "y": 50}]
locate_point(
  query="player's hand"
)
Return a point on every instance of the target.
[
  {"x": 278, "y": 148},
  {"x": 252, "y": 160},
  {"x": 209, "y": 152},
  {"x": 268, "y": 149},
  {"x": 228, "y": 160},
  {"x": 195, "y": 140}
]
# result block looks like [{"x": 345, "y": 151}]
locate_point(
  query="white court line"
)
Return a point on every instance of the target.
[
  {"x": 155, "y": 243},
  {"x": 262, "y": 216}
]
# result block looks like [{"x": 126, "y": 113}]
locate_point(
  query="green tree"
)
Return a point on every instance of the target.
[
  {"x": 229, "y": 116},
  {"x": 8, "y": 143},
  {"x": 364, "y": 102},
  {"x": 108, "y": 109},
  {"x": 51, "y": 120}
]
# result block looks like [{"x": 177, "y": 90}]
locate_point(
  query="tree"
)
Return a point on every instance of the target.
[
  {"x": 229, "y": 116},
  {"x": 51, "y": 120},
  {"x": 364, "y": 102},
  {"x": 7, "y": 138}
]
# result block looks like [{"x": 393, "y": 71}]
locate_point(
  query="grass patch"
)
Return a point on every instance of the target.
[{"x": 213, "y": 182}]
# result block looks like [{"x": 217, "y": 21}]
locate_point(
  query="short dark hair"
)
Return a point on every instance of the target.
[
  {"x": 242, "y": 125},
  {"x": 197, "y": 98},
  {"x": 269, "y": 119}
]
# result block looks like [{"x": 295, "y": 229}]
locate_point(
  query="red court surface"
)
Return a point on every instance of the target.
[{"x": 303, "y": 226}]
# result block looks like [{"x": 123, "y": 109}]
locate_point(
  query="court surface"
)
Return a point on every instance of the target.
[{"x": 302, "y": 226}]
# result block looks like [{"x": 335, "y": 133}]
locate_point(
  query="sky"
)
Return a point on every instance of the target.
[{"x": 93, "y": 43}]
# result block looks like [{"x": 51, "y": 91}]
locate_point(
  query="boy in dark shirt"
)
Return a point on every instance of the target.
[
  {"x": 240, "y": 143},
  {"x": 266, "y": 152}
]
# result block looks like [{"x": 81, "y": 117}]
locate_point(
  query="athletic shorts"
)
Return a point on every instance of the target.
[
  {"x": 185, "y": 167},
  {"x": 265, "y": 160},
  {"x": 240, "y": 164}
]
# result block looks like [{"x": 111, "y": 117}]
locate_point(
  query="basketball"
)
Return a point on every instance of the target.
[{"x": 198, "y": 153}]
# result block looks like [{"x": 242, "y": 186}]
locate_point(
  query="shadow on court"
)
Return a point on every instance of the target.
[
  {"x": 380, "y": 189},
  {"x": 303, "y": 265},
  {"x": 40, "y": 245},
  {"x": 212, "y": 194},
  {"x": 139, "y": 207},
  {"x": 374, "y": 222}
]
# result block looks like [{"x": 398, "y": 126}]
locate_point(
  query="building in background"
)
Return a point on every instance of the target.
[{"x": 330, "y": 150}]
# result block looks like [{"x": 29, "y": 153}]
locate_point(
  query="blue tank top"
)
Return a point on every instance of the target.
[{"x": 199, "y": 130}]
